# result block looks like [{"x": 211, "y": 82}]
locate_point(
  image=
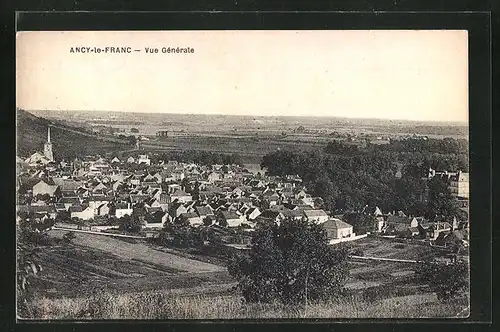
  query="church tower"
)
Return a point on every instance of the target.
[{"x": 47, "y": 147}]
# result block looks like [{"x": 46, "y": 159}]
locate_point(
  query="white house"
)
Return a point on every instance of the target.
[
  {"x": 81, "y": 213},
  {"x": 143, "y": 159},
  {"x": 123, "y": 209},
  {"x": 318, "y": 216},
  {"x": 337, "y": 229},
  {"x": 42, "y": 188}
]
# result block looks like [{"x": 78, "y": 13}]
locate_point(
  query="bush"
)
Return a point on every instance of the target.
[
  {"x": 447, "y": 281},
  {"x": 290, "y": 263},
  {"x": 68, "y": 237}
]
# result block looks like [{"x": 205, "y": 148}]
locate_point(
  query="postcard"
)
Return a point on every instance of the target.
[{"x": 242, "y": 174}]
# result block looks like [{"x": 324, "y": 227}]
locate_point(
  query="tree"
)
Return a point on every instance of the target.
[
  {"x": 186, "y": 185},
  {"x": 336, "y": 147},
  {"x": 195, "y": 192},
  {"x": 361, "y": 223},
  {"x": 447, "y": 281},
  {"x": 441, "y": 202},
  {"x": 325, "y": 189},
  {"x": 292, "y": 263},
  {"x": 28, "y": 265},
  {"x": 207, "y": 221},
  {"x": 155, "y": 217},
  {"x": 132, "y": 140},
  {"x": 130, "y": 223}
]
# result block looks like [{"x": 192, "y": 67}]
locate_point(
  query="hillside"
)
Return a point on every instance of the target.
[{"x": 67, "y": 142}]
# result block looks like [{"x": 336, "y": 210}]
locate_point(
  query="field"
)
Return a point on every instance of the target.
[
  {"x": 93, "y": 262},
  {"x": 250, "y": 137},
  {"x": 113, "y": 277}
]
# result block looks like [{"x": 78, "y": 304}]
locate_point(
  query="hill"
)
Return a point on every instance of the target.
[{"x": 68, "y": 142}]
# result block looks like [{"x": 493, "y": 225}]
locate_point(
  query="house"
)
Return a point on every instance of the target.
[
  {"x": 81, "y": 212},
  {"x": 70, "y": 201},
  {"x": 449, "y": 239},
  {"x": 377, "y": 212},
  {"x": 153, "y": 203},
  {"x": 213, "y": 176},
  {"x": 138, "y": 198},
  {"x": 103, "y": 209},
  {"x": 144, "y": 159},
  {"x": 399, "y": 219},
  {"x": 318, "y": 216},
  {"x": 67, "y": 184},
  {"x": 416, "y": 221},
  {"x": 181, "y": 196},
  {"x": 296, "y": 214},
  {"x": 130, "y": 160},
  {"x": 37, "y": 209},
  {"x": 459, "y": 185},
  {"x": 337, "y": 229},
  {"x": 43, "y": 188},
  {"x": 37, "y": 159},
  {"x": 253, "y": 213},
  {"x": 115, "y": 160},
  {"x": 398, "y": 229},
  {"x": 164, "y": 200},
  {"x": 437, "y": 228},
  {"x": 204, "y": 211},
  {"x": 158, "y": 177},
  {"x": 379, "y": 223},
  {"x": 96, "y": 201},
  {"x": 270, "y": 215},
  {"x": 192, "y": 217},
  {"x": 100, "y": 188},
  {"x": 60, "y": 207},
  {"x": 232, "y": 219},
  {"x": 176, "y": 209},
  {"x": 152, "y": 223},
  {"x": 123, "y": 209},
  {"x": 148, "y": 178}
]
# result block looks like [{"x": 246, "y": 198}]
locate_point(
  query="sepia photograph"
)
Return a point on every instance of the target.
[{"x": 242, "y": 174}]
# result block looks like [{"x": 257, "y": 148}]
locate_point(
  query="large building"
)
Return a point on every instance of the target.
[
  {"x": 458, "y": 182},
  {"x": 459, "y": 185}
]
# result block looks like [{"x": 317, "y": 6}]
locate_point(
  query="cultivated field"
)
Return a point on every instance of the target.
[
  {"x": 93, "y": 262},
  {"x": 395, "y": 277}
]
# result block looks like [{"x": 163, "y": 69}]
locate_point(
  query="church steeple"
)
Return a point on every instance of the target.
[{"x": 47, "y": 147}]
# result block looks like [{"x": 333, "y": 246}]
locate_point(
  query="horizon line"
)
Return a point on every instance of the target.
[{"x": 256, "y": 116}]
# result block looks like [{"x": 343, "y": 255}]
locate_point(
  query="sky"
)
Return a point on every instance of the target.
[{"x": 397, "y": 74}]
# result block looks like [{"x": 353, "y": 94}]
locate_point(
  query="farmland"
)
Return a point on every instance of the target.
[
  {"x": 164, "y": 284},
  {"x": 250, "y": 137},
  {"x": 96, "y": 262},
  {"x": 93, "y": 261}
]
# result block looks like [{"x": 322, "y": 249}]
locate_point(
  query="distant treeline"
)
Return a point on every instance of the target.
[
  {"x": 426, "y": 130},
  {"x": 349, "y": 178},
  {"x": 431, "y": 145}
]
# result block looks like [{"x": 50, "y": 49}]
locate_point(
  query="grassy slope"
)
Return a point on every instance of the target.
[
  {"x": 158, "y": 305},
  {"x": 67, "y": 142},
  {"x": 139, "y": 251}
]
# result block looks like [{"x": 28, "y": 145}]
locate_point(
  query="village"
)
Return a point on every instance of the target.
[{"x": 98, "y": 194}]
